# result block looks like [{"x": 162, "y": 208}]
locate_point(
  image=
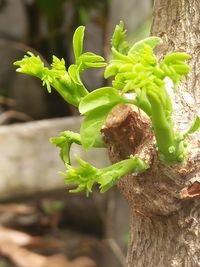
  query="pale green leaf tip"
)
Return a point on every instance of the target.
[
  {"x": 151, "y": 41},
  {"x": 194, "y": 127},
  {"x": 51, "y": 140},
  {"x": 78, "y": 41},
  {"x": 80, "y": 28}
]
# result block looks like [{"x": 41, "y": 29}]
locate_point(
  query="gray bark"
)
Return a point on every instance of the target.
[{"x": 165, "y": 208}]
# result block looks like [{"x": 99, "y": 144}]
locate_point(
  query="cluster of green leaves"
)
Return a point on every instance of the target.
[
  {"x": 66, "y": 82},
  {"x": 86, "y": 175},
  {"x": 136, "y": 70}
]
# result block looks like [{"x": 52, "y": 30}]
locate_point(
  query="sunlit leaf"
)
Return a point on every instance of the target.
[
  {"x": 64, "y": 142},
  {"x": 92, "y": 125},
  {"x": 78, "y": 42},
  {"x": 106, "y": 96},
  {"x": 151, "y": 41},
  {"x": 119, "y": 41}
]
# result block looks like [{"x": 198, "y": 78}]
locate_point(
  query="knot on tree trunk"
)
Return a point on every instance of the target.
[{"x": 158, "y": 190}]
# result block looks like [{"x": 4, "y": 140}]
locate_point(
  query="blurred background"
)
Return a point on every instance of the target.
[{"x": 41, "y": 224}]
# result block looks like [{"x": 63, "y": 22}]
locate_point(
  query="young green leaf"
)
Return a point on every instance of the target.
[
  {"x": 119, "y": 39},
  {"x": 194, "y": 127},
  {"x": 121, "y": 57},
  {"x": 92, "y": 124},
  {"x": 151, "y": 41},
  {"x": 106, "y": 96},
  {"x": 85, "y": 175},
  {"x": 31, "y": 65},
  {"x": 96, "y": 106},
  {"x": 91, "y": 60},
  {"x": 78, "y": 42},
  {"x": 64, "y": 142},
  {"x": 70, "y": 91},
  {"x": 174, "y": 66},
  {"x": 176, "y": 57},
  {"x": 74, "y": 73},
  {"x": 68, "y": 85},
  {"x": 82, "y": 178},
  {"x": 112, "y": 69},
  {"x": 58, "y": 66}
]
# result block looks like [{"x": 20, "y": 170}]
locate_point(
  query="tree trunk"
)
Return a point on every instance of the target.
[{"x": 164, "y": 201}]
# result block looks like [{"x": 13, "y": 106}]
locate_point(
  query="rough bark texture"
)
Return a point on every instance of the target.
[{"x": 165, "y": 206}]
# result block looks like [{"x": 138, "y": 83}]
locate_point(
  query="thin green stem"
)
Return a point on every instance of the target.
[{"x": 110, "y": 175}]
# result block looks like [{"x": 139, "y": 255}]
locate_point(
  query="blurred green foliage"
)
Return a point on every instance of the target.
[
  {"x": 53, "y": 206},
  {"x": 50, "y": 8}
]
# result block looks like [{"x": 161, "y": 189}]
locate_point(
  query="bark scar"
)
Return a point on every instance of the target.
[{"x": 192, "y": 190}]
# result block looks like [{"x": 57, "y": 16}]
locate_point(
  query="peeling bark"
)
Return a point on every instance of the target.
[{"x": 164, "y": 201}]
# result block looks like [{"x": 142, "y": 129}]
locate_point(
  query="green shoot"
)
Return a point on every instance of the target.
[
  {"x": 67, "y": 83},
  {"x": 85, "y": 176},
  {"x": 138, "y": 71},
  {"x": 135, "y": 69},
  {"x": 64, "y": 142}
]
